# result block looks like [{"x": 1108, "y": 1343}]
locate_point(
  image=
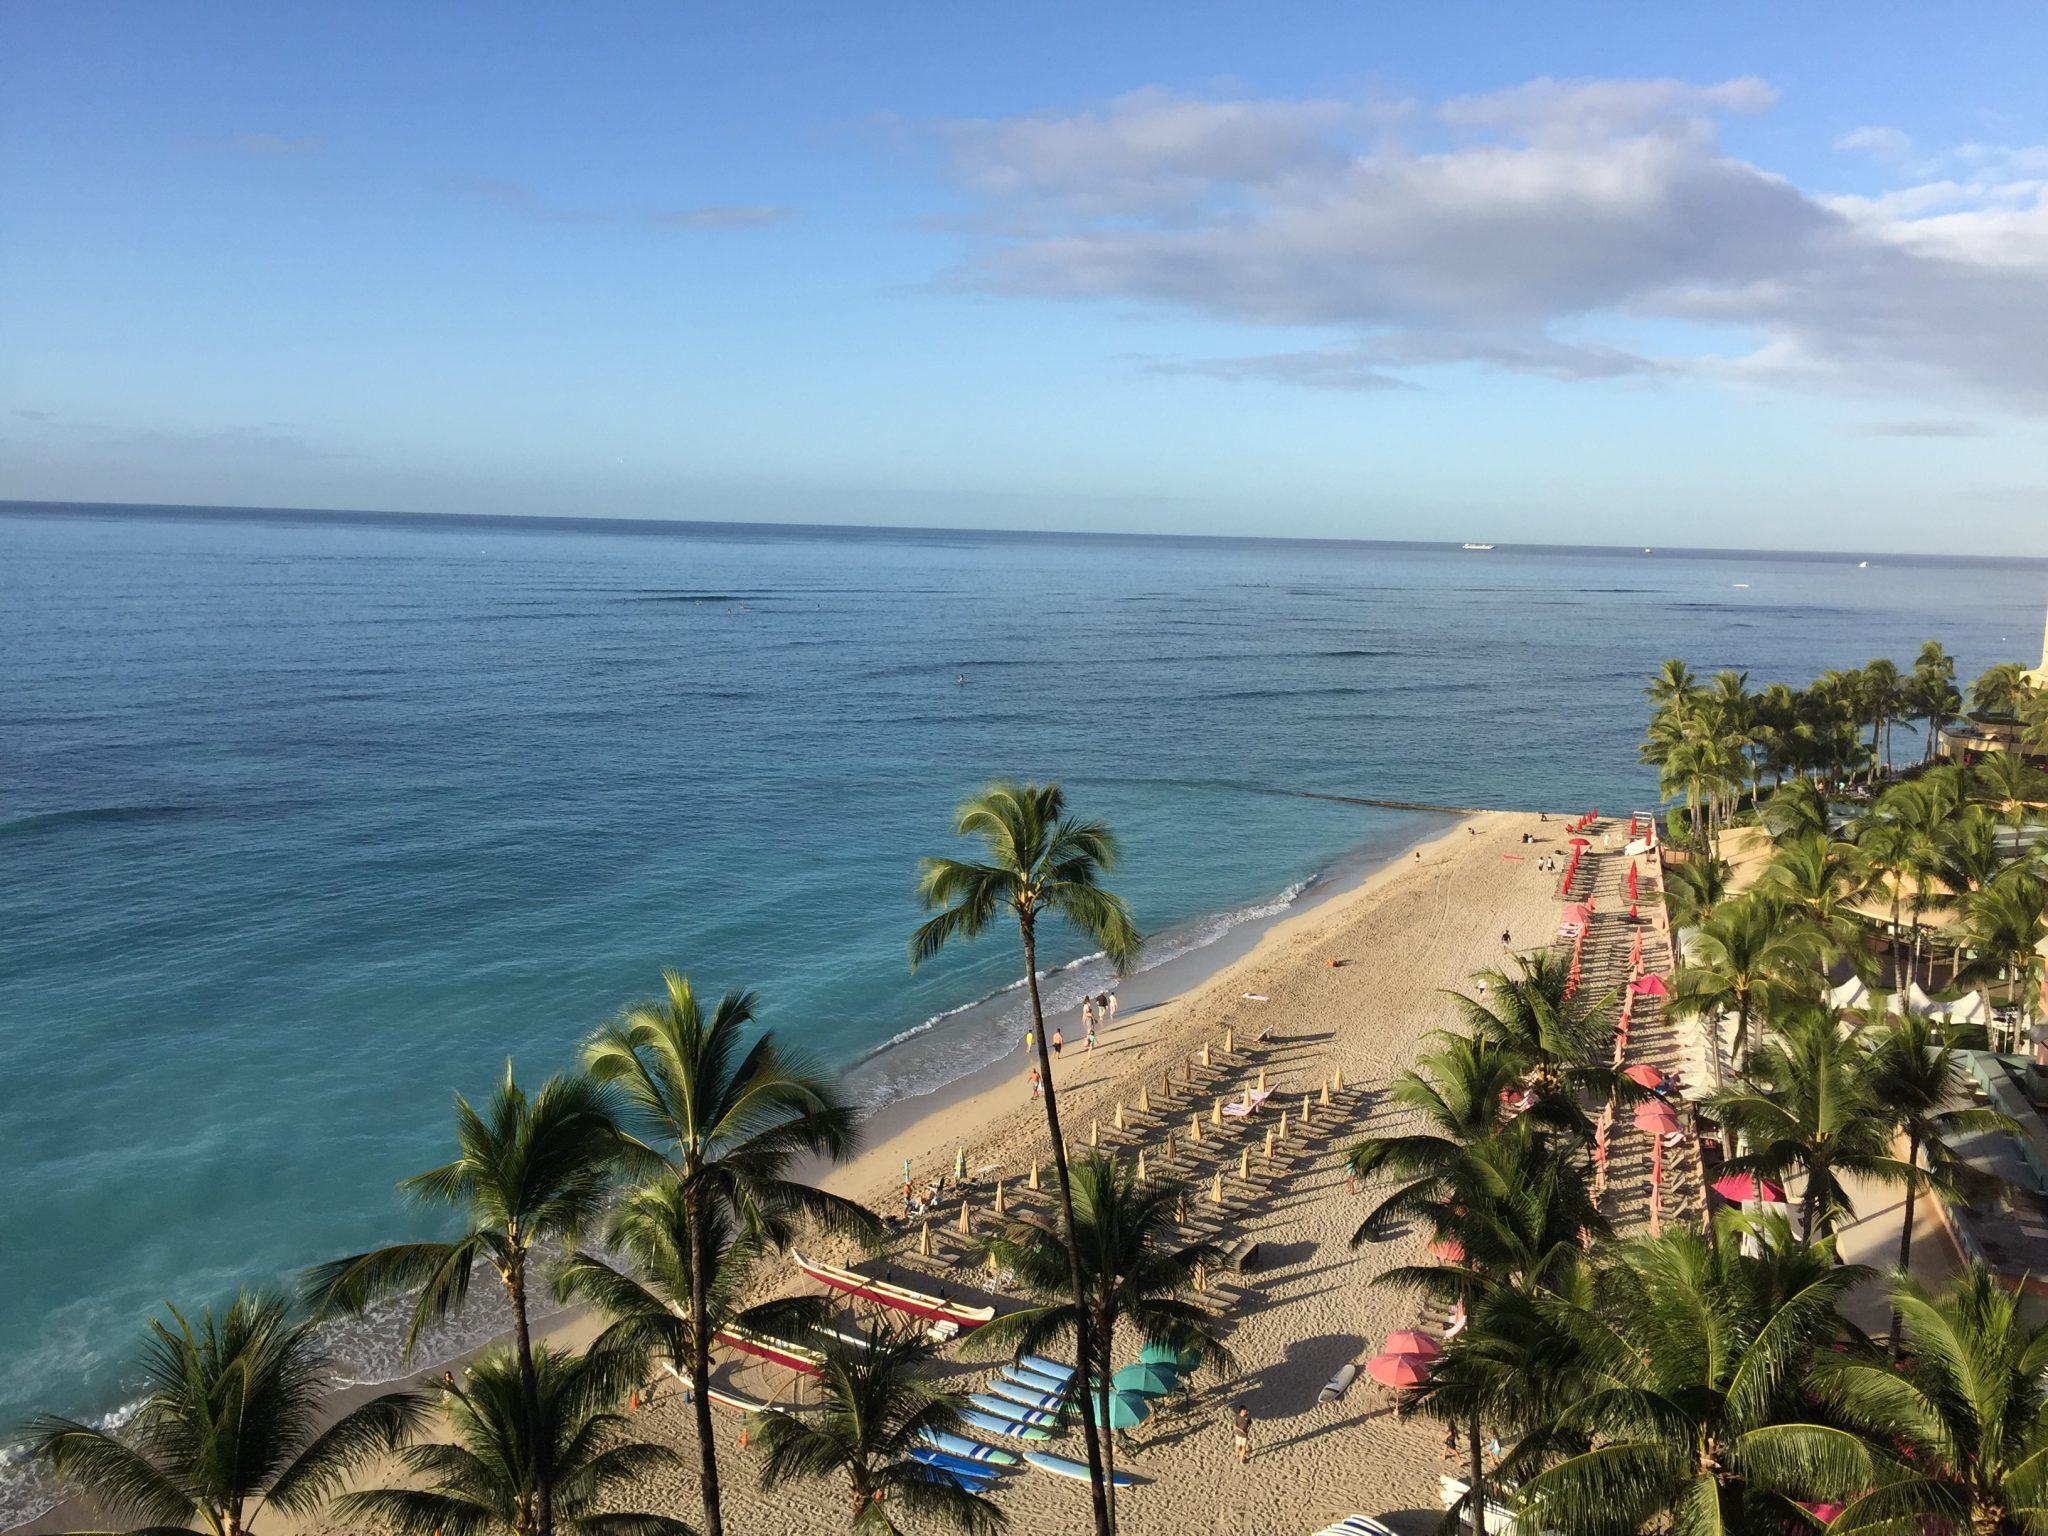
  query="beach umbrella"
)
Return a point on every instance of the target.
[
  {"x": 1147, "y": 1379},
  {"x": 1448, "y": 1249},
  {"x": 1656, "y": 1119},
  {"x": 1650, "y": 985},
  {"x": 1580, "y": 842},
  {"x": 1824, "y": 1510},
  {"x": 1742, "y": 1188},
  {"x": 1127, "y": 1410},
  {"x": 1632, "y": 872},
  {"x": 1182, "y": 1360},
  {"x": 1645, "y": 1074},
  {"x": 1397, "y": 1371},
  {"x": 960, "y": 1163},
  {"x": 1408, "y": 1341}
]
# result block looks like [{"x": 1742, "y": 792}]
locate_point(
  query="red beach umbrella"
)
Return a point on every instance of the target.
[
  {"x": 1448, "y": 1249},
  {"x": 1410, "y": 1342},
  {"x": 1656, "y": 1119},
  {"x": 1651, "y": 985},
  {"x": 1580, "y": 842},
  {"x": 1742, "y": 1187},
  {"x": 1397, "y": 1371},
  {"x": 1642, "y": 1072},
  {"x": 1823, "y": 1510},
  {"x": 1632, "y": 872}
]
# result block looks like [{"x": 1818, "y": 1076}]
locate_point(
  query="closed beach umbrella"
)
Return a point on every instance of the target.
[
  {"x": 1632, "y": 882},
  {"x": 1651, "y": 985},
  {"x": 1397, "y": 1371},
  {"x": 1146, "y": 1378},
  {"x": 1408, "y": 1341},
  {"x": 1656, "y": 1119},
  {"x": 1742, "y": 1188},
  {"x": 1645, "y": 1074}
]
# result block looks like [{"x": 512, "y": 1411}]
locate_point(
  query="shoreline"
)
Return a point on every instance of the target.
[{"x": 898, "y": 1126}]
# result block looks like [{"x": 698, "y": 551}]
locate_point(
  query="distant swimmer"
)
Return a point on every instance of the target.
[{"x": 959, "y": 677}]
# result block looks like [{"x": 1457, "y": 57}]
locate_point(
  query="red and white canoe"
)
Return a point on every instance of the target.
[
  {"x": 794, "y": 1357},
  {"x": 897, "y": 1298}
]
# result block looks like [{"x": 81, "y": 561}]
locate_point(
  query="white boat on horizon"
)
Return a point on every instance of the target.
[{"x": 1478, "y": 546}]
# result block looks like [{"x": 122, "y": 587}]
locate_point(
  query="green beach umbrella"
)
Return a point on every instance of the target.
[
  {"x": 1148, "y": 1378},
  {"x": 1127, "y": 1410},
  {"x": 1182, "y": 1360}
]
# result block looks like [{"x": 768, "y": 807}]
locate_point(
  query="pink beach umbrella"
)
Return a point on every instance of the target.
[
  {"x": 1447, "y": 1249},
  {"x": 1645, "y": 1074},
  {"x": 1650, "y": 985},
  {"x": 1397, "y": 1371},
  {"x": 1410, "y": 1342},
  {"x": 1742, "y": 1188},
  {"x": 1656, "y": 1119},
  {"x": 1824, "y": 1510}
]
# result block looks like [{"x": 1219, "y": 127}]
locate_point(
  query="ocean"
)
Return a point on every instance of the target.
[{"x": 307, "y": 822}]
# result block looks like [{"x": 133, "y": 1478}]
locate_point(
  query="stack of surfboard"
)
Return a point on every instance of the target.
[{"x": 1025, "y": 1401}]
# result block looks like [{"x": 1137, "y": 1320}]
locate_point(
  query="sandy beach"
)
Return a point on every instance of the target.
[{"x": 1350, "y": 986}]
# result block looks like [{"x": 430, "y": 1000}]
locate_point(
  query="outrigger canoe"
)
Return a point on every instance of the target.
[
  {"x": 996, "y": 1426},
  {"x": 973, "y": 1450},
  {"x": 739, "y": 1402},
  {"x": 897, "y": 1298},
  {"x": 1060, "y": 1466},
  {"x": 1003, "y": 1408},
  {"x": 795, "y": 1357}
]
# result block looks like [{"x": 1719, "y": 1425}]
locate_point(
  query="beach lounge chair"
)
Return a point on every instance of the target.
[{"x": 1355, "y": 1525}]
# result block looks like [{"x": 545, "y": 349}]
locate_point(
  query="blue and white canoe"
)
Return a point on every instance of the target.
[
  {"x": 1060, "y": 1466},
  {"x": 973, "y": 1450},
  {"x": 1031, "y": 1376},
  {"x": 1003, "y": 1408},
  {"x": 970, "y": 1472},
  {"x": 1027, "y": 1396},
  {"x": 996, "y": 1426},
  {"x": 1045, "y": 1367}
]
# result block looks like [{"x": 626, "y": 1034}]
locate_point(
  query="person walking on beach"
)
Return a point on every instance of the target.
[
  {"x": 1034, "y": 1082},
  {"x": 1112, "y": 1005},
  {"x": 1087, "y": 1013},
  {"x": 1059, "y": 1040},
  {"x": 1089, "y": 1044},
  {"x": 1241, "y": 1427}
]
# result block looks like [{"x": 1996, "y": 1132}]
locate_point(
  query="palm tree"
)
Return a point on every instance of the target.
[
  {"x": 649, "y": 1300},
  {"x": 1740, "y": 959},
  {"x": 873, "y": 1411},
  {"x": 1686, "y": 1415},
  {"x": 2001, "y": 692},
  {"x": 2004, "y": 924},
  {"x": 529, "y": 1174},
  {"x": 1922, "y": 1086},
  {"x": 1933, "y": 692},
  {"x": 1820, "y": 881},
  {"x": 1692, "y": 890},
  {"x": 1134, "y": 1270},
  {"x": 1883, "y": 698},
  {"x": 1797, "y": 809},
  {"x": 1530, "y": 1015},
  {"x": 1673, "y": 684},
  {"x": 229, "y": 1424},
  {"x": 2009, "y": 784},
  {"x": 1808, "y": 1102},
  {"x": 1902, "y": 838},
  {"x": 1967, "y": 1410},
  {"x": 723, "y": 1120},
  {"x": 483, "y": 1482},
  {"x": 1038, "y": 862}
]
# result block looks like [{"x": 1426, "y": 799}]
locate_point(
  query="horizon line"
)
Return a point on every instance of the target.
[{"x": 11, "y": 506}]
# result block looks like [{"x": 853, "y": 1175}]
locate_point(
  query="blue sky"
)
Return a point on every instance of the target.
[{"x": 1751, "y": 275}]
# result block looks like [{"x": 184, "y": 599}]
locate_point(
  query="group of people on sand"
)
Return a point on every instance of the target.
[{"x": 1099, "y": 1008}]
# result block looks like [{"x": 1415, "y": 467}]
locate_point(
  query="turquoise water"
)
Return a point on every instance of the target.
[{"x": 305, "y": 823}]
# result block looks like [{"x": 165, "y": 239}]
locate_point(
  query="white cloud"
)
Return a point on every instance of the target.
[
  {"x": 1482, "y": 229},
  {"x": 1888, "y": 146}
]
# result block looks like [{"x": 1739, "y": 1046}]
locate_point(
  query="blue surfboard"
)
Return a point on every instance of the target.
[
  {"x": 973, "y": 1450},
  {"x": 996, "y": 1426}
]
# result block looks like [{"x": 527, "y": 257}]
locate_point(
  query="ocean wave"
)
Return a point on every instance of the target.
[{"x": 94, "y": 815}]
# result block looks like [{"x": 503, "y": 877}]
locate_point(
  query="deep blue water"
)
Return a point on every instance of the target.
[{"x": 305, "y": 822}]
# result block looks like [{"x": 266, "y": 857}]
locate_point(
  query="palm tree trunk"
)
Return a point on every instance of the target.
[
  {"x": 1906, "y": 1236},
  {"x": 700, "y": 1380},
  {"x": 1478, "y": 1482},
  {"x": 1105, "y": 1330},
  {"x": 1084, "y": 1355},
  {"x": 529, "y": 1385}
]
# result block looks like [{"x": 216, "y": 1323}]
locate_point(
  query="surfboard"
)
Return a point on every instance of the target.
[
  {"x": 996, "y": 1426},
  {"x": 1338, "y": 1384},
  {"x": 1028, "y": 1396},
  {"x": 1032, "y": 1376},
  {"x": 967, "y": 1471},
  {"x": 1057, "y": 1370},
  {"x": 1003, "y": 1408},
  {"x": 1060, "y": 1466},
  {"x": 973, "y": 1450}
]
